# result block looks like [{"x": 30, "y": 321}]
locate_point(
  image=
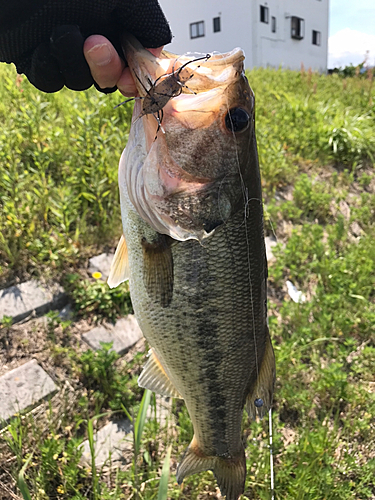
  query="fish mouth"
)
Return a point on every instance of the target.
[
  {"x": 189, "y": 179},
  {"x": 214, "y": 72}
]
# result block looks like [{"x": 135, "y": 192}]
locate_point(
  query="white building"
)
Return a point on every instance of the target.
[{"x": 273, "y": 33}]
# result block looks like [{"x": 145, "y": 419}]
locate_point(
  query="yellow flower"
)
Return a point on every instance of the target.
[
  {"x": 97, "y": 275},
  {"x": 60, "y": 489},
  {"x": 55, "y": 456}
]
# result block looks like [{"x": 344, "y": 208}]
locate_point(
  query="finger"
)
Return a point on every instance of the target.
[
  {"x": 156, "y": 52},
  {"x": 44, "y": 72},
  {"x": 126, "y": 83},
  {"x": 66, "y": 47},
  {"x": 105, "y": 64}
]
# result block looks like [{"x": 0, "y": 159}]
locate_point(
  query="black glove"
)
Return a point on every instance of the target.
[{"x": 44, "y": 38}]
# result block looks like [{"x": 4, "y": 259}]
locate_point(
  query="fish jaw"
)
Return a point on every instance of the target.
[{"x": 190, "y": 180}]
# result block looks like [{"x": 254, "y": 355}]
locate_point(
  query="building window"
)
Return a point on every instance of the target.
[
  {"x": 217, "y": 26},
  {"x": 316, "y": 37},
  {"x": 263, "y": 14},
  {"x": 298, "y": 28},
  {"x": 273, "y": 24},
  {"x": 197, "y": 29}
]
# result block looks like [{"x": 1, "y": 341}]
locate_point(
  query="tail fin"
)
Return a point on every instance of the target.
[{"x": 230, "y": 473}]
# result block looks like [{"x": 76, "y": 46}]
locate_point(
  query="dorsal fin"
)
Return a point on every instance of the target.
[
  {"x": 158, "y": 269},
  {"x": 154, "y": 377},
  {"x": 120, "y": 265}
]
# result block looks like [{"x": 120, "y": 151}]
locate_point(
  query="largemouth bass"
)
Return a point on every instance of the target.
[{"x": 193, "y": 249}]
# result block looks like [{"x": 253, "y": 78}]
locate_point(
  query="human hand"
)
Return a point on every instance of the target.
[
  {"x": 45, "y": 39},
  {"x": 106, "y": 66}
]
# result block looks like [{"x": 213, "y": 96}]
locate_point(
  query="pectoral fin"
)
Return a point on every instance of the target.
[
  {"x": 120, "y": 265},
  {"x": 158, "y": 269},
  {"x": 263, "y": 386},
  {"x": 154, "y": 378}
]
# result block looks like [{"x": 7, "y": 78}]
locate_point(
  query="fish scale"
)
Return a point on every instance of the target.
[
  {"x": 220, "y": 319},
  {"x": 193, "y": 248}
]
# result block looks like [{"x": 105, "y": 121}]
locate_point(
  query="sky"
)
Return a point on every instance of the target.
[{"x": 351, "y": 32}]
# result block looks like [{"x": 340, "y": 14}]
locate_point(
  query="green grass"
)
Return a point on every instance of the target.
[
  {"x": 59, "y": 204},
  {"x": 96, "y": 300},
  {"x": 58, "y": 179}
]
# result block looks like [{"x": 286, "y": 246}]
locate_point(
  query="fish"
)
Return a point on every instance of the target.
[{"x": 194, "y": 253}]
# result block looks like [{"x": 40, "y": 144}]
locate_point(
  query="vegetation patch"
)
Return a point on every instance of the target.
[{"x": 59, "y": 204}]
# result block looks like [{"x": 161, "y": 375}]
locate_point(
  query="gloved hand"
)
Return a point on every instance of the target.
[{"x": 45, "y": 38}]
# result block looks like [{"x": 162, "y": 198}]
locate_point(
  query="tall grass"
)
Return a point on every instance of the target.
[
  {"x": 58, "y": 178},
  {"x": 312, "y": 116}
]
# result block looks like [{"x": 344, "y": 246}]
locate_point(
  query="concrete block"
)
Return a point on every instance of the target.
[
  {"x": 23, "y": 388},
  {"x": 110, "y": 443},
  {"x": 101, "y": 263},
  {"x": 20, "y": 301},
  {"x": 124, "y": 334}
]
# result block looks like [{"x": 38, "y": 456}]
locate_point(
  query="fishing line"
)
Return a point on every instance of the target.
[
  {"x": 271, "y": 224},
  {"x": 246, "y": 214},
  {"x": 271, "y": 454},
  {"x": 246, "y": 200}
]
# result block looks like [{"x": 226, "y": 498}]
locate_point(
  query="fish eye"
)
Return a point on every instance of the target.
[{"x": 237, "y": 120}]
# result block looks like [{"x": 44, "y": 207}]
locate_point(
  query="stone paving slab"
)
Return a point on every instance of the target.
[
  {"x": 124, "y": 334},
  {"x": 110, "y": 443},
  {"x": 101, "y": 263},
  {"x": 20, "y": 301},
  {"x": 116, "y": 438},
  {"x": 23, "y": 388},
  {"x": 270, "y": 242},
  {"x": 163, "y": 409}
]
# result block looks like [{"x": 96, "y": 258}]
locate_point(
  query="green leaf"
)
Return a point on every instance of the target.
[
  {"x": 147, "y": 458},
  {"x": 140, "y": 421},
  {"x": 126, "y": 413},
  {"x": 88, "y": 196},
  {"x": 354, "y": 296},
  {"x": 164, "y": 478},
  {"x": 21, "y": 480}
]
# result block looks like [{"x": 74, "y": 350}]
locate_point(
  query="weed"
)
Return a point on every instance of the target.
[
  {"x": 97, "y": 300},
  {"x": 163, "y": 485},
  {"x": 58, "y": 179},
  {"x": 21, "y": 480},
  {"x": 365, "y": 180},
  {"x": 106, "y": 385},
  {"x": 312, "y": 197}
]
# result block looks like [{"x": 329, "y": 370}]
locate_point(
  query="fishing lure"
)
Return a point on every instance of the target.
[{"x": 165, "y": 88}]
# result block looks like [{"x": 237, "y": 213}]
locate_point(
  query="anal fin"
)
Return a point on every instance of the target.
[
  {"x": 230, "y": 473},
  {"x": 263, "y": 386},
  {"x": 120, "y": 265},
  {"x": 154, "y": 378}
]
